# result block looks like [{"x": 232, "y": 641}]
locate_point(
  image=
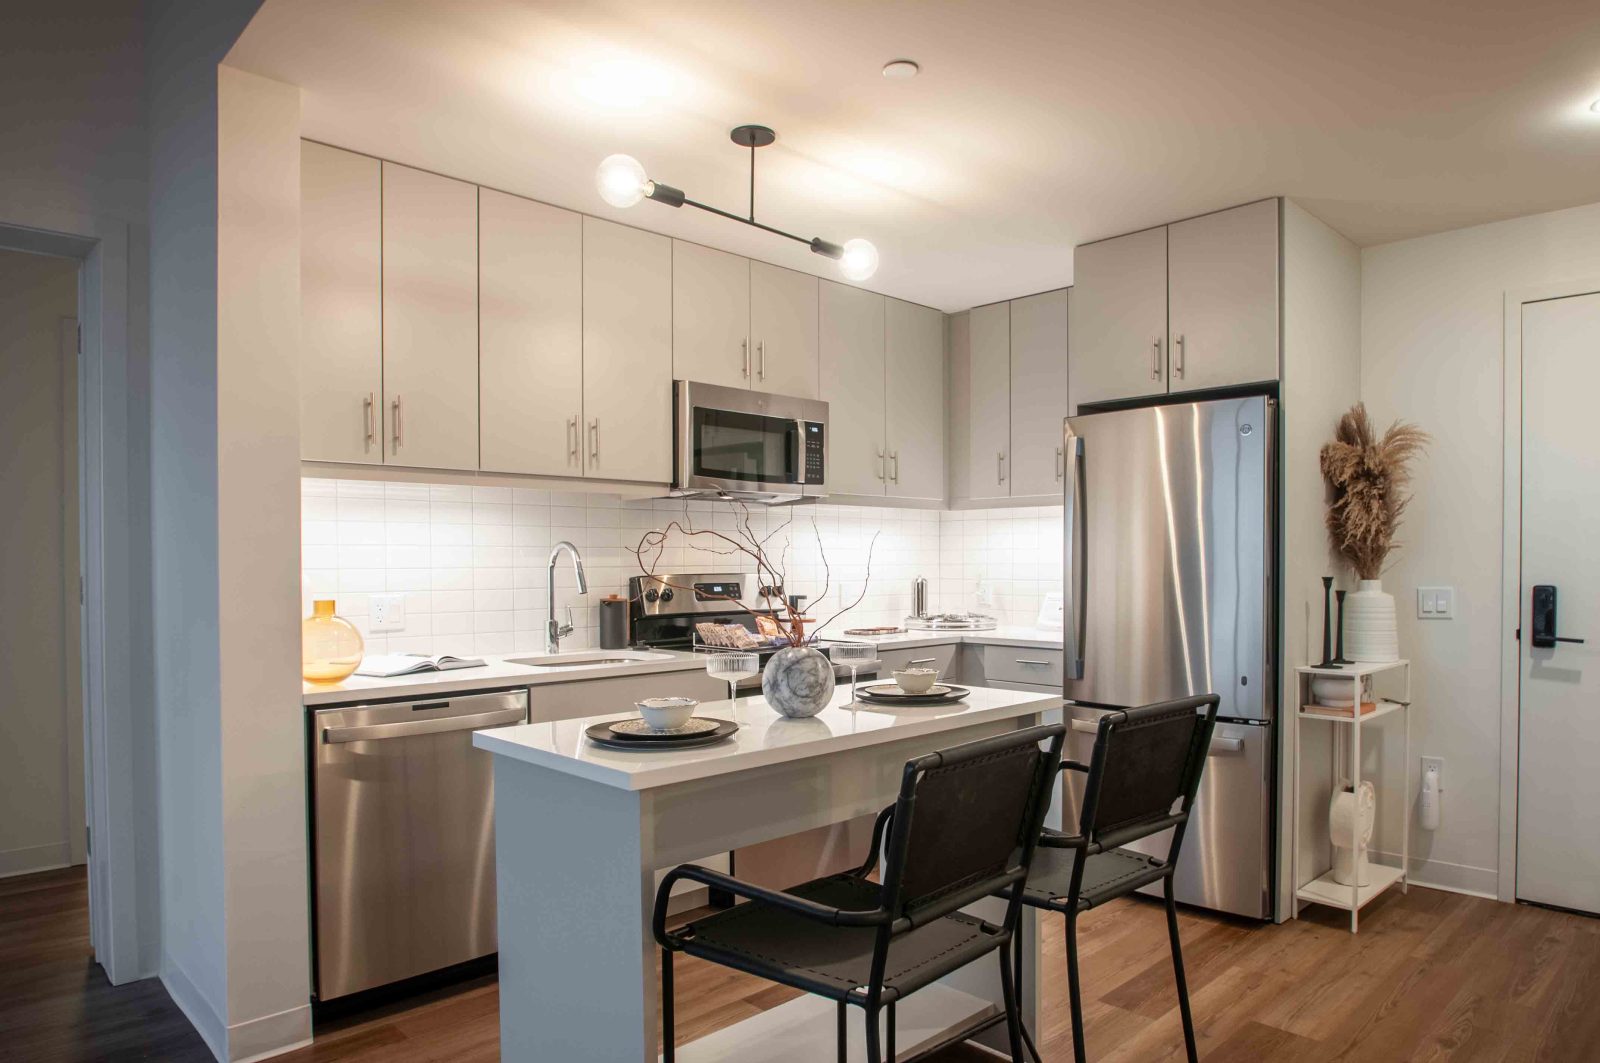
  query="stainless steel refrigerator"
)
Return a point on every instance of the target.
[{"x": 1170, "y": 567}]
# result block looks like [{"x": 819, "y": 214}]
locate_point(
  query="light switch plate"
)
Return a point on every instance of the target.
[
  {"x": 1436, "y": 603},
  {"x": 388, "y": 612}
]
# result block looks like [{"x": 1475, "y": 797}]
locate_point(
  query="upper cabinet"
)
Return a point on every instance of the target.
[
  {"x": 914, "y": 404},
  {"x": 1178, "y": 308},
  {"x": 627, "y": 353},
  {"x": 1119, "y": 331},
  {"x": 852, "y": 360},
  {"x": 341, "y": 305},
  {"x": 430, "y": 319},
  {"x": 1222, "y": 294},
  {"x": 711, "y": 316},
  {"x": 1039, "y": 392},
  {"x": 530, "y": 323},
  {"x": 783, "y": 328},
  {"x": 988, "y": 391}
]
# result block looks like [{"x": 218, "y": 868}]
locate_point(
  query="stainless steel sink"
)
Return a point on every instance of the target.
[{"x": 589, "y": 659}]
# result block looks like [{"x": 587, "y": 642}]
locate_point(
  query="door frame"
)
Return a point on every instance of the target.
[
  {"x": 110, "y": 685},
  {"x": 1511, "y": 566}
]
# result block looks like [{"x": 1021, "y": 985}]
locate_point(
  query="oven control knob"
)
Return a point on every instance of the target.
[
  {"x": 651, "y": 595},
  {"x": 666, "y": 595}
]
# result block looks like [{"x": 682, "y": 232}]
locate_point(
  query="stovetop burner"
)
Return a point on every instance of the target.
[{"x": 951, "y": 622}]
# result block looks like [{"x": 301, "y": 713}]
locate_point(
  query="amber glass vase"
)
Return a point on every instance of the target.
[{"x": 330, "y": 646}]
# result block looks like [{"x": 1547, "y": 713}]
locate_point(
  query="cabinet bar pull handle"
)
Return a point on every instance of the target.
[
  {"x": 1041, "y": 664},
  {"x": 395, "y": 417},
  {"x": 369, "y": 431},
  {"x": 761, "y": 359},
  {"x": 744, "y": 352},
  {"x": 572, "y": 439},
  {"x": 926, "y": 660},
  {"x": 895, "y": 457},
  {"x": 1061, "y": 461},
  {"x": 1155, "y": 359},
  {"x": 1177, "y": 355},
  {"x": 594, "y": 439},
  {"x": 1000, "y": 462},
  {"x": 880, "y": 465}
]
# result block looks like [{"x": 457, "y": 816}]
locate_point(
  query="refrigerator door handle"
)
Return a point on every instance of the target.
[
  {"x": 1219, "y": 746},
  {"x": 1077, "y": 528}
]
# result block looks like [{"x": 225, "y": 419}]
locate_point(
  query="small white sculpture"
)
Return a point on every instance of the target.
[{"x": 1351, "y": 816}]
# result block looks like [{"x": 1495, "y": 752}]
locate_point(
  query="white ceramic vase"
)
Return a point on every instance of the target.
[
  {"x": 1351, "y": 816},
  {"x": 1371, "y": 635}
]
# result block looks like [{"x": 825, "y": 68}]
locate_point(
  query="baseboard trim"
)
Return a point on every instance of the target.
[
  {"x": 1452, "y": 878},
  {"x": 270, "y": 1035},
  {"x": 195, "y": 1007},
  {"x": 32, "y": 859}
]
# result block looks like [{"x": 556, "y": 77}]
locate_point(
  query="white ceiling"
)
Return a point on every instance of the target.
[{"x": 1033, "y": 127}]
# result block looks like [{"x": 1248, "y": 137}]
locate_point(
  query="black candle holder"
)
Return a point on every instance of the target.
[
  {"x": 1338, "y": 655},
  {"x": 1327, "y": 624}
]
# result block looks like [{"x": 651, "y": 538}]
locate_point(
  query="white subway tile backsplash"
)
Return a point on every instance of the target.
[{"x": 472, "y": 560}]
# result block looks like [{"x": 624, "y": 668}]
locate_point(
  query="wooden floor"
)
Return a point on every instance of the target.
[{"x": 1432, "y": 976}]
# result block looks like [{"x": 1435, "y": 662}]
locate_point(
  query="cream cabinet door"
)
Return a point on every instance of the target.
[
  {"x": 851, "y": 360},
  {"x": 783, "y": 330},
  {"x": 711, "y": 316},
  {"x": 341, "y": 305},
  {"x": 1119, "y": 325},
  {"x": 1222, "y": 279},
  {"x": 914, "y": 400},
  {"x": 988, "y": 389},
  {"x": 430, "y": 319},
  {"x": 530, "y": 346},
  {"x": 627, "y": 353},
  {"x": 1038, "y": 392}
]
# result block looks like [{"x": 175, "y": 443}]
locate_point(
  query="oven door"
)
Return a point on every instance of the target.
[{"x": 745, "y": 443}]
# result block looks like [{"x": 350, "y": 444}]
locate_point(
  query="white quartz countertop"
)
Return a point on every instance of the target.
[
  {"x": 1031, "y": 637},
  {"x": 497, "y": 673},
  {"x": 764, "y": 738}
]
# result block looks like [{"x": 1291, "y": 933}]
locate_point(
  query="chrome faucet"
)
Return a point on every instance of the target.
[{"x": 554, "y": 631}]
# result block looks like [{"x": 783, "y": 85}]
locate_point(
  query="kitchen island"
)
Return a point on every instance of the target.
[{"x": 580, "y": 832}]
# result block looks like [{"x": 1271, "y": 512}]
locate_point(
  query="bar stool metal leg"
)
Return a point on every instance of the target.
[
  {"x": 890, "y": 1054},
  {"x": 668, "y": 1025},
  {"x": 1027, "y": 1038},
  {"x": 844, "y": 1040},
  {"x": 1177, "y": 968},
  {"x": 1074, "y": 991},
  {"x": 874, "y": 1045},
  {"x": 1008, "y": 991}
]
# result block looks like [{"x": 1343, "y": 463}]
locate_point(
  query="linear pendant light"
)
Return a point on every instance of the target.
[{"x": 622, "y": 183}]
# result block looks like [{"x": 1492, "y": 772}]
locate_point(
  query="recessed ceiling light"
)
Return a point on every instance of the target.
[
  {"x": 1595, "y": 106},
  {"x": 900, "y": 70}
]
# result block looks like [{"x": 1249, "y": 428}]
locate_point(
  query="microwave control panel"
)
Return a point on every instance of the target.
[{"x": 814, "y": 468}]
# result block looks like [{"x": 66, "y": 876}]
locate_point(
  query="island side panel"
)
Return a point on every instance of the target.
[{"x": 577, "y": 966}]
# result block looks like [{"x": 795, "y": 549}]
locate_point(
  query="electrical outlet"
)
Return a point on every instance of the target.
[
  {"x": 387, "y": 612},
  {"x": 1436, "y": 763},
  {"x": 1436, "y": 603}
]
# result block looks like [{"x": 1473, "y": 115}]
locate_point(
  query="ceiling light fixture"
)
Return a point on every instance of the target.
[
  {"x": 901, "y": 69},
  {"x": 622, "y": 182},
  {"x": 1595, "y": 106}
]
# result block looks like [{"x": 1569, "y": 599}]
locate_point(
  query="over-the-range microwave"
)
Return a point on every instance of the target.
[{"x": 747, "y": 445}]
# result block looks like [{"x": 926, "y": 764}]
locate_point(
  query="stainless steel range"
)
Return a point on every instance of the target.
[{"x": 663, "y": 610}]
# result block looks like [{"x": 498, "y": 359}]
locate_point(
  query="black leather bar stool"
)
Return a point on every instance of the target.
[
  {"x": 965, "y": 826},
  {"x": 1141, "y": 780}
]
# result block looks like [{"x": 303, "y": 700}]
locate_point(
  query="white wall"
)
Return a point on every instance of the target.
[
  {"x": 1432, "y": 352},
  {"x": 41, "y": 738}
]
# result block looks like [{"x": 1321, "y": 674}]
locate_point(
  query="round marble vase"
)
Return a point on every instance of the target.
[{"x": 798, "y": 681}]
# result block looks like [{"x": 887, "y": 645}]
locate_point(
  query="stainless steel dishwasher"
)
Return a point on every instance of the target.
[{"x": 403, "y": 837}]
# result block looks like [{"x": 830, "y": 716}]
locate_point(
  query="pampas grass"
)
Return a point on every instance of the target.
[{"x": 1368, "y": 476}]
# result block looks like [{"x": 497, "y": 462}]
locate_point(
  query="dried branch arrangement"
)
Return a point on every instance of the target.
[
  {"x": 770, "y": 564},
  {"x": 1369, "y": 476}
]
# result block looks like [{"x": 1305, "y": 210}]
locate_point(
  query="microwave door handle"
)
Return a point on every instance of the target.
[{"x": 796, "y": 448}]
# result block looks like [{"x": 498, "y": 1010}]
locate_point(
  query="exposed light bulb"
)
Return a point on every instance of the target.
[
  {"x": 859, "y": 261},
  {"x": 621, "y": 180}
]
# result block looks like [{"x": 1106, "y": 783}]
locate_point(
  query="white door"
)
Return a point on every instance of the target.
[
  {"x": 1222, "y": 292},
  {"x": 430, "y": 319},
  {"x": 341, "y": 305},
  {"x": 1558, "y": 788},
  {"x": 851, "y": 356},
  {"x": 783, "y": 327},
  {"x": 988, "y": 454},
  {"x": 914, "y": 400},
  {"x": 1038, "y": 393},
  {"x": 711, "y": 317},
  {"x": 1119, "y": 323},
  {"x": 530, "y": 346},
  {"x": 627, "y": 353}
]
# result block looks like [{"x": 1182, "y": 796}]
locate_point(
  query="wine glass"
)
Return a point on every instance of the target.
[
  {"x": 853, "y": 655},
  {"x": 732, "y": 667}
]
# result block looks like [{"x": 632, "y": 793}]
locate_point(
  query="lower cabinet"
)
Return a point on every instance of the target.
[
  {"x": 942, "y": 658},
  {"x": 591, "y": 697}
]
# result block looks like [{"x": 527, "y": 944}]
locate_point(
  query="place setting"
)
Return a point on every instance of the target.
[
  {"x": 662, "y": 724},
  {"x": 911, "y": 687}
]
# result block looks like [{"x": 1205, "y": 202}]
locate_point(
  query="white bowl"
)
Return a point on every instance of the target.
[
  {"x": 916, "y": 680},
  {"x": 666, "y": 714}
]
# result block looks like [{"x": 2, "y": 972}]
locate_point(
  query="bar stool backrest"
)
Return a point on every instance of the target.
[
  {"x": 966, "y": 822},
  {"x": 1146, "y": 770}
]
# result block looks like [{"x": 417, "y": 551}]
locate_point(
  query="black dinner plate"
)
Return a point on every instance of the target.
[
  {"x": 890, "y": 694},
  {"x": 602, "y": 735}
]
